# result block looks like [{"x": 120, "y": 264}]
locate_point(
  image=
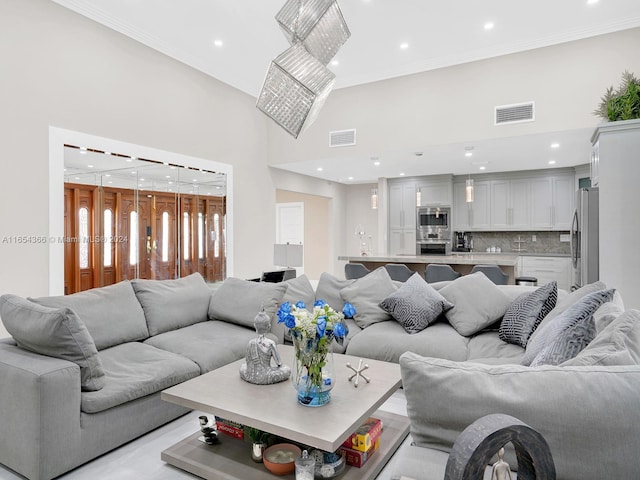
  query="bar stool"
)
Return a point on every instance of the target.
[
  {"x": 353, "y": 271},
  {"x": 399, "y": 271},
  {"x": 493, "y": 272},
  {"x": 440, "y": 273},
  {"x": 530, "y": 281}
]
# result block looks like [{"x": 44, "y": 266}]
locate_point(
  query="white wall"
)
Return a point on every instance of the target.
[
  {"x": 61, "y": 69},
  {"x": 455, "y": 104}
]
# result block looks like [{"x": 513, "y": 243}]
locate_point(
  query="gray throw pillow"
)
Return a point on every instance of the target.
[
  {"x": 112, "y": 314},
  {"x": 366, "y": 293},
  {"x": 416, "y": 304},
  {"x": 566, "y": 302},
  {"x": 617, "y": 344},
  {"x": 56, "y": 332},
  {"x": 525, "y": 314},
  {"x": 239, "y": 301},
  {"x": 299, "y": 289},
  {"x": 172, "y": 304},
  {"x": 478, "y": 302},
  {"x": 568, "y": 333},
  {"x": 329, "y": 290}
]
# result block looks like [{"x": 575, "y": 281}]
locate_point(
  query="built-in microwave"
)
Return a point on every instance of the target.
[{"x": 433, "y": 223}]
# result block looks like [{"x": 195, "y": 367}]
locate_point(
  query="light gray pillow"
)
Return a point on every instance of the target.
[
  {"x": 299, "y": 289},
  {"x": 608, "y": 312},
  {"x": 56, "y": 332},
  {"x": 329, "y": 290},
  {"x": 565, "y": 303},
  {"x": 112, "y": 314},
  {"x": 582, "y": 412},
  {"x": 239, "y": 301},
  {"x": 617, "y": 344},
  {"x": 366, "y": 293},
  {"x": 525, "y": 314},
  {"x": 568, "y": 333},
  {"x": 416, "y": 304},
  {"x": 172, "y": 304},
  {"x": 478, "y": 302}
]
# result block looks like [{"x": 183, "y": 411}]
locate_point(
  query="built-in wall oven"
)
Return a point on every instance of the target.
[{"x": 433, "y": 235}]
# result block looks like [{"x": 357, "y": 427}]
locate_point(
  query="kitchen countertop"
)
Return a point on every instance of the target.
[
  {"x": 456, "y": 258},
  {"x": 521, "y": 254}
]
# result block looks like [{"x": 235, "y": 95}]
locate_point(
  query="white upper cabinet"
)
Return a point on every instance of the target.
[
  {"x": 435, "y": 192},
  {"x": 473, "y": 215},
  {"x": 552, "y": 202},
  {"x": 402, "y": 206}
]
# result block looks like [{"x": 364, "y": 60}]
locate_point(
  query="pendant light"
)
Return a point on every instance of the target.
[{"x": 468, "y": 190}]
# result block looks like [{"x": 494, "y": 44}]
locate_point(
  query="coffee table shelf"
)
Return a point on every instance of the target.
[{"x": 231, "y": 458}]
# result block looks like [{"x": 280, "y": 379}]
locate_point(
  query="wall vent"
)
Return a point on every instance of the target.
[
  {"x": 516, "y": 113},
  {"x": 342, "y": 138}
]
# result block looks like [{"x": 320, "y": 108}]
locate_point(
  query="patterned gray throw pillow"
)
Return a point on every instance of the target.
[
  {"x": 416, "y": 304},
  {"x": 568, "y": 334},
  {"x": 526, "y": 312}
]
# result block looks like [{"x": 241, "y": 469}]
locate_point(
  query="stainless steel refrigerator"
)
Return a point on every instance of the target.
[{"x": 584, "y": 238}]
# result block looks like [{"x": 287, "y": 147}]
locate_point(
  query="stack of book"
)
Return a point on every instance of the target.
[{"x": 363, "y": 443}]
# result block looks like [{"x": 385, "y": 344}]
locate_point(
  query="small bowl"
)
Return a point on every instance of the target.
[{"x": 280, "y": 459}]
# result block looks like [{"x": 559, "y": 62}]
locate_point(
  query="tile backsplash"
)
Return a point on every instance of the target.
[{"x": 545, "y": 242}]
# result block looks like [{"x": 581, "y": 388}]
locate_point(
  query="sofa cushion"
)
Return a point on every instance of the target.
[
  {"x": 299, "y": 289},
  {"x": 582, "y": 412},
  {"x": 239, "y": 301},
  {"x": 525, "y": 314},
  {"x": 608, "y": 312},
  {"x": 478, "y": 302},
  {"x": 386, "y": 341},
  {"x": 329, "y": 288},
  {"x": 112, "y": 314},
  {"x": 134, "y": 370},
  {"x": 617, "y": 344},
  {"x": 209, "y": 344},
  {"x": 56, "y": 332},
  {"x": 568, "y": 333},
  {"x": 416, "y": 304},
  {"x": 171, "y": 304},
  {"x": 366, "y": 293},
  {"x": 488, "y": 345}
]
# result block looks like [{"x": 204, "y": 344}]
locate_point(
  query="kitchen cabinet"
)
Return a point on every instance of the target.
[
  {"x": 402, "y": 242},
  {"x": 474, "y": 215},
  {"x": 546, "y": 269},
  {"x": 435, "y": 192},
  {"x": 552, "y": 202},
  {"x": 402, "y": 218},
  {"x": 510, "y": 204}
]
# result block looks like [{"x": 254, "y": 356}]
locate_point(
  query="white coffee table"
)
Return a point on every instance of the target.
[{"x": 274, "y": 409}]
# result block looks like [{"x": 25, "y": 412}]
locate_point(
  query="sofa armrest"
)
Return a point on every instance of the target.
[
  {"x": 588, "y": 415},
  {"x": 39, "y": 413}
]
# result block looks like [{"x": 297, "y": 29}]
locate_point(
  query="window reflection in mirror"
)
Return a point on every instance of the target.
[{"x": 127, "y": 217}]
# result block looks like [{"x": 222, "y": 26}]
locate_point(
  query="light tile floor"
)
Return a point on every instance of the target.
[{"x": 140, "y": 459}]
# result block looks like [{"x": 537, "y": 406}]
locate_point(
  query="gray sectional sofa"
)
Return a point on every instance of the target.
[
  {"x": 117, "y": 347},
  {"x": 83, "y": 373}
]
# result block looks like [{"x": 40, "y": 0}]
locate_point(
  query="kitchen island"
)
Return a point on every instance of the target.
[{"x": 460, "y": 262}]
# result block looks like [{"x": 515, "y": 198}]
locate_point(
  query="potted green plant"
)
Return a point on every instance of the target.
[
  {"x": 623, "y": 103},
  {"x": 259, "y": 443}
]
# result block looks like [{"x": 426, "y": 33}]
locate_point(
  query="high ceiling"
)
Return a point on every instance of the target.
[{"x": 235, "y": 40}]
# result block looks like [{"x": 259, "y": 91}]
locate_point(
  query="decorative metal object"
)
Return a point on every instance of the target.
[
  {"x": 357, "y": 373},
  {"x": 257, "y": 368},
  {"x": 317, "y": 24},
  {"x": 295, "y": 88}
]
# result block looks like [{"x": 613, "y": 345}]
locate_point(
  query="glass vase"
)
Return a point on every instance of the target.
[{"x": 313, "y": 375}]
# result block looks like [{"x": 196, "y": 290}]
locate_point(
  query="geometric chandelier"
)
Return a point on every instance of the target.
[{"x": 297, "y": 81}]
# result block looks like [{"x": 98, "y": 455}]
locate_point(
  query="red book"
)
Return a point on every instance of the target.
[
  {"x": 233, "y": 429},
  {"x": 356, "y": 458}
]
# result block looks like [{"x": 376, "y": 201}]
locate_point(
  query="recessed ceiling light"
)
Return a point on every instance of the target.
[
  {"x": 319, "y": 169},
  {"x": 350, "y": 178},
  {"x": 195, "y": 179},
  {"x": 552, "y": 162},
  {"x": 402, "y": 174},
  {"x": 555, "y": 145},
  {"x": 107, "y": 174},
  {"x": 483, "y": 168},
  {"x": 133, "y": 173},
  {"x": 89, "y": 166},
  {"x": 488, "y": 26},
  {"x": 376, "y": 163},
  {"x": 592, "y": 2},
  {"x": 107, "y": 153},
  {"x": 335, "y": 63},
  {"x": 142, "y": 179},
  {"x": 404, "y": 45},
  {"x": 218, "y": 43},
  {"x": 468, "y": 154}
]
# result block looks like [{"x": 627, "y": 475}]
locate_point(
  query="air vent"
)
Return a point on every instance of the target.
[
  {"x": 516, "y": 113},
  {"x": 342, "y": 138}
]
